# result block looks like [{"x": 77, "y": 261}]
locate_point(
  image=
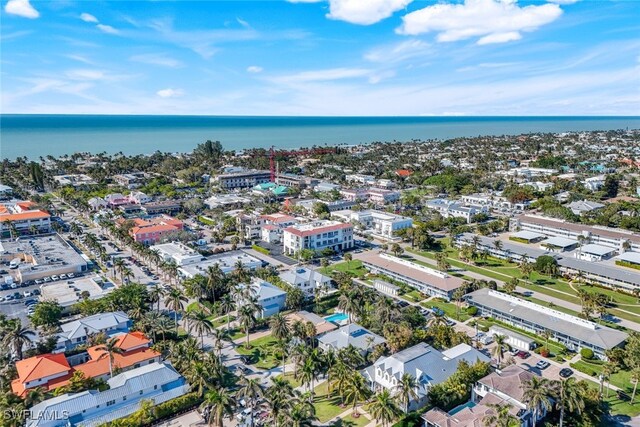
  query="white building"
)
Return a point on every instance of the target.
[
  {"x": 449, "y": 208},
  {"x": 177, "y": 253},
  {"x": 307, "y": 280},
  {"x": 317, "y": 236},
  {"x": 594, "y": 253},
  {"x": 227, "y": 261},
  {"x": 581, "y": 207},
  {"x": 528, "y": 172},
  {"x": 352, "y": 334},
  {"x": 272, "y": 226},
  {"x": 382, "y": 224},
  {"x": 360, "y": 178},
  {"x": 271, "y": 299},
  {"x": 138, "y": 197},
  {"x": 77, "y": 332},
  {"x": 538, "y": 185},
  {"x": 23, "y": 216},
  {"x": 157, "y": 382},
  {"x": 97, "y": 203},
  {"x": 594, "y": 183},
  {"x": 427, "y": 365}
]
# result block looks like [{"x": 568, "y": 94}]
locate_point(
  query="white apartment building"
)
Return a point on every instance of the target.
[
  {"x": 22, "y": 217},
  {"x": 449, "y": 208},
  {"x": 177, "y": 253},
  {"x": 360, "y": 178},
  {"x": 493, "y": 201},
  {"x": 382, "y": 224},
  {"x": 317, "y": 236}
]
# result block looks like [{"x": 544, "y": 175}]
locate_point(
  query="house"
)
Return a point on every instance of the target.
[
  {"x": 424, "y": 363},
  {"x": 571, "y": 331},
  {"x": 507, "y": 385},
  {"x": 273, "y": 225},
  {"x": 352, "y": 334},
  {"x": 52, "y": 371},
  {"x": 177, "y": 253},
  {"x": 226, "y": 261},
  {"x": 43, "y": 371},
  {"x": 157, "y": 382},
  {"x": 116, "y": 199},
  {"x": 130, "y": 180},
  {"x": 594, "y": 183},
  {"x": 318, "y": 235},
  {"x": 448, "y": 209},
  {"x": 77, "y": 332},
  {"x": 97, "y": 203},
  {"x": 308, "y": 280},
  {"x": 580, "y": 207},
  {"x": 5, "y": 191},
  {"x": 139, "y": 198},
  {"x": 321, "y": 325},
  {"x": 271, "y": 299},
  {"x": 514, "y": 339},
  {"x": 470, "y": 414},
  {"x": 427, "y": 280}
]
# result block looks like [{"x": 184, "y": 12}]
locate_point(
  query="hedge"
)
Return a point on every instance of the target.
[
  {"x": 472, "y": 310},
  {"x": 586, "y": 353},
  {"x": 518, "y": 239},
  {"x": 628, "y": 264},
  {"x": 260, "y": 249},
  {"x": 163, "y": 410}
]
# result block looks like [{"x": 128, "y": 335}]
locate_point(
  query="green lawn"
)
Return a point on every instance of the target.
[
  {"x": 448, "y": 308},
  {"x": 261, "y": 352},
  {"x": 621, "y": 379},
  {"x": 327, "y": 404},
  {"x": 350, "y": 421},
  {"x": 290, "y": 378},
  {"x": 413, "y": 296},
  {"x": 617, "y": 406},
  {"x": 353, "y": 267},
  {"x": 219, "y": 321}
]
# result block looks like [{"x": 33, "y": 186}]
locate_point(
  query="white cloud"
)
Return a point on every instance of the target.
[
  {"x": 397, "y": 52},
  {"x": 157, "y": 59},
  {"x": 323, "y": 75},
  {"x": 21, "y": 8},
  {"x": 85, "y": 74},
  {"x": 107, "y": 29},
  {"x": 254, "y": 69},
  {"x": 364, "y": 12},
  {"x": 563, "y": 1},
  {"x": 493, "y": 21},
  {"x": 169, "y": 93},
  {"x": 87, "y": 17}
]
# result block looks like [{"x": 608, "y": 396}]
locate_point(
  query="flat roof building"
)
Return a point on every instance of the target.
[
  {"x": 427, "y": 280},
  {"x": 317, "y": 236},
  {"x": 178, "y": 253},
  {"x": 378, "y": 223},
  {"x": 245, "y": 178},
  {"x": 37, "y": 257},
  {"x": 227, "y": 262},
  {"x": 573, "y": 332}
]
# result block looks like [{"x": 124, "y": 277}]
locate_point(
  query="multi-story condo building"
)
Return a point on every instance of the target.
[
  {"x": 382, "y": 224},
  {"x": 621, "y": 240},
  {"x": 427, "y": 280},
  {"x": 23, "y": 218},
  {"x": 449, "y": 208},
  {"x": 317, "y": 236},
  {"x": 573, "y": 332},
  {"x": 243, "y": 179}
]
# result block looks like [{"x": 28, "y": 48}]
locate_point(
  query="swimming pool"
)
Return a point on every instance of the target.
[
  {"x": 461, "y": 407},
  {"x": 337, "y": 317}
]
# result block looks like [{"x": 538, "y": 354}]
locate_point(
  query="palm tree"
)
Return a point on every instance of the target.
[
  {"x": 174, "y": 301},
  {"x": 218, "y": 404},
  {"x": 501, "y": 418},
  {"x": 538, "y": 396},
  {"x": 247, "y": 319},
  {"x": 348, "y": 257},
  {"x": 199, "y": 322},
  {"x": 279, "y": 397},
  {"x": 251, "y": 391},
  {"x": 110, "y": 349},
  {"x": 356, "y": 389},
  {"x": 227, "y": 305},
  {"x": 501, "y": 344},
  {"x": 301, "y": 414},
  {"x": 569, "y": 397},
  {"x": 383, "y": 408},
  {"x": 497, "y": 244},
  {"x": 155, "y": 295},
  {"x": 635, "y": 378},
  {"x": 406, "y": 390},
  {"x": 17, "y": 336}
]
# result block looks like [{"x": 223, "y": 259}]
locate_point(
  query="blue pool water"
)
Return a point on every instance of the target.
[
  {"x": 461, "y": 407},
  {"x": 337, "y": 317}
]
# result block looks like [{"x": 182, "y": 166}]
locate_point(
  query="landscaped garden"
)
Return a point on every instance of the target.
[{"x": 262, "y": 353}]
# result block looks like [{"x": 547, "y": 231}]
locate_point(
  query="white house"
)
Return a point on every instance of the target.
[
  {"x": 448, "y": 208},
  {"x": 426, "y": 364},
  {"x": 352, "y": 334},
  {"x": 318, "y": 235},
  {"x": 307, "y": 280},
  {"x": 594, "y": 183},
  {"x": 581, "y": 207},
  {"x": 382, "y": 224},
  {"x": 77, "y": 332},
  {"x": 138, "y": 197}
]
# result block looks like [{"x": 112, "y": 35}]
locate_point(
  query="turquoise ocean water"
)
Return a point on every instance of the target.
[{"x": 40, "y": 135}]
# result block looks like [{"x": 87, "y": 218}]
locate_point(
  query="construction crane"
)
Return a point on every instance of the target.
[{"x": 286, "y": 153}]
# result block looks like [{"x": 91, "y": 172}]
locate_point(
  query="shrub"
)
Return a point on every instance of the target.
[
  {"x": 472, "y": 311},
  {"x": 586, "y": 353},
  {"x": 260, "y": 249},
  {"x": 544, "y": 352}
]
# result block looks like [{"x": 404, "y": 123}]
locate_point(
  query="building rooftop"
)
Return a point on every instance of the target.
[
  {"x": 509, "y": 381},
  {"x": 412, "y": 270},
  {"x": 632, "y": 257},
  {"x": 226, "y": 261},
  {"x": 352, "y": 334},
  {"x": 316, "y": 227},
  {"x": 560, "y": 242},
  {"x": 547, "y": 318},
  {"x": 69, "y": 292},
  {"x": 322, "y": 325},
  {"x": 41, "y": 253},
  {"x": 92, "y": 325},
  {"x": 527, "y": 235},
  {"x": 596, "y": 249}
]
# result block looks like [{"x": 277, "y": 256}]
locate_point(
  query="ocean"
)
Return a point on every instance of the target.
[{"x": 34, "y": 136}]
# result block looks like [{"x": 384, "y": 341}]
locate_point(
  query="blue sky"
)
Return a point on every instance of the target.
[{"x": 336, "y": 57}]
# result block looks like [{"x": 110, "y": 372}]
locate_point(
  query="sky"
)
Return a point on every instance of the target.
[{"x": 321, "y": 58}]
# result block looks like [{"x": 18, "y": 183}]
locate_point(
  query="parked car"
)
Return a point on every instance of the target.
[
  {"x": 54, "y": 277},
  {"x": 70, "y": 275},
  {"x": 36, "y": 292},
  {"x": 543, "y": 364},
  {"x": 39, "y": 282},
  {"x": 565, "y": 372},
  {"x": 514, "y": 352},
  {"x": 63, "y": 276},
  {"x": 27, "y": 294},
  {"x": 523, "y": 354},
  {"x": 47, "y": 279}
]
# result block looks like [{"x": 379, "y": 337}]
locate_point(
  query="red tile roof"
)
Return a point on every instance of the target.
[{"x": 37, "y": 367}]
